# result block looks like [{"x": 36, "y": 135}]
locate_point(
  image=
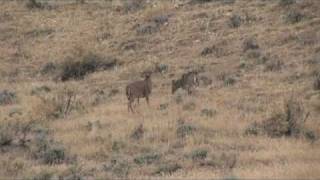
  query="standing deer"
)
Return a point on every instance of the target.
[
  {"x": 139, "y": 89},
  {"x": 186, "y": 82}
]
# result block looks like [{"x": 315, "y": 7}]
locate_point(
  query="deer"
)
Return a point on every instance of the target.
[
  {"x": 186, "y": 82},
  {"x": 139, "y": 89}
]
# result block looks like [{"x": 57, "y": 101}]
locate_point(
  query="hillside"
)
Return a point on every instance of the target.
[{"x": 65, "y": 65}]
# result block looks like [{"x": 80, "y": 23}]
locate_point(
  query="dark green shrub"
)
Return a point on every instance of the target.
[{"x": 90, "y": 63}]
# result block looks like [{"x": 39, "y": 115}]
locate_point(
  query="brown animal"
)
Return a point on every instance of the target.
[
  {"x": 139, "y": 89},
  {"x": 186, "y": 82}
]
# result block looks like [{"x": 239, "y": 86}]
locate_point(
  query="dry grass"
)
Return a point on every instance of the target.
[{"x": 96, "y": 129}]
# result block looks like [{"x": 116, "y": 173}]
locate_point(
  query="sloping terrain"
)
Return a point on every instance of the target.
[{"x": 64, "y": 68}]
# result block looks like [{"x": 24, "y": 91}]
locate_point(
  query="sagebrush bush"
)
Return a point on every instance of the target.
[
  {"x": 118, "y": 167},
  {"x": 184, "y": 129},
  {"x": 133, "y": 5},
  {"x": 49, "y": 68},
  {"x": 190, "y": 106},
  {"x": 147, "y": 29},
  {"x": 138, "y": 132},
  {"x": 293, "y": 17},
  {"x": 275, "y": 65},
  {"x": 34, "y": 4},
  {"x": 168, "y": 168},
  {"x": 7, "y": 97},
  {"x": 208, "y": 112},
  {"x": 48, "y": 151},
  {"x": 250, "y": 43},
  {"x": 6, "y": 135},
  {"x": 147, "y": 158},
  {"x": 316, "y": 81},
  {"x": 199, "y": 154},
  {"x": 286, "y": 2},
  {"x": 235, "y": 21}
]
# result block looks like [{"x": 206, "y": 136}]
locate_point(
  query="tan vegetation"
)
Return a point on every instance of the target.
[{"x": 65, "y": 65}]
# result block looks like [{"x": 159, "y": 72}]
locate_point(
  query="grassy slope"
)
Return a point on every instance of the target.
[{"x": 256, "y": 95}]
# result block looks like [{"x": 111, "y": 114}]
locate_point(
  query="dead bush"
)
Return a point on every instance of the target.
[
  {"x": 59, "y": 105},
  {"x": 290, "y": 122},
  {"x": 88, "y": 64}
]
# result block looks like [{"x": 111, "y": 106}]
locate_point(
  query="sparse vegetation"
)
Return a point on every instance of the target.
[{"x": 291, "y": 122}]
